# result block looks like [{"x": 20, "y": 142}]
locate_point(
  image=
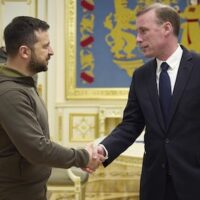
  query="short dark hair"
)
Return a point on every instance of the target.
[
  {"x": 164, "y": 13},
  {"x": 21, "y": 31}
]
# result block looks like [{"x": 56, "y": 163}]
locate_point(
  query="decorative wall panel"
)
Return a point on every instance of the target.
[{"x": 83, "y": 127}]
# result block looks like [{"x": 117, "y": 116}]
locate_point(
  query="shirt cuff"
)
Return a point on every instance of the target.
[{"x": 105, "y": 150}]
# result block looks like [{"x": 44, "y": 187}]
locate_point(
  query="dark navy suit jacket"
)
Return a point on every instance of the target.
[{"x": 177, "y": 145}]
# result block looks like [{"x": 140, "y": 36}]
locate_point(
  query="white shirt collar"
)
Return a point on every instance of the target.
[{"x": 173, "y": 61}]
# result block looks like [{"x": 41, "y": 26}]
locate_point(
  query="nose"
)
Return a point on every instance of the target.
[
  {"x": 51, "y": 51},
  {"x": 138, "y": 38}
]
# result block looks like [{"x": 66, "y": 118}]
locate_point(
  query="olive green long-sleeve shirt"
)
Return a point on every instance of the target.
[{"x": 26, "y": 151}]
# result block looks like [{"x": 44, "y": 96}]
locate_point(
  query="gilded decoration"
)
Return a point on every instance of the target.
[
  {"x": 111, "y": 113},
  {"x": 85, "y": 55},
  {"x": 83, "y": 127}
]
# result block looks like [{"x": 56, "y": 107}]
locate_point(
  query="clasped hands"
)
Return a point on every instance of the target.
[{"x": 96, "y": 157}]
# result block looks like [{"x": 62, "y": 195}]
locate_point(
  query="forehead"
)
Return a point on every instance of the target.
[
  {"x": 146, "y": 19},
  {"x": 42, "y": 36}
]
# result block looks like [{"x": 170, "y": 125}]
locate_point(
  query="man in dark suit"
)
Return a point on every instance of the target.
[{"x": 171, "y": 162}]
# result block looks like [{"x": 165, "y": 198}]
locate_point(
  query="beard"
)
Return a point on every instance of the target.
[{"x": 37, "y": 65}]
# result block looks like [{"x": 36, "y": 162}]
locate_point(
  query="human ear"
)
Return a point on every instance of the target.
[
  {"x": 167, "y": 27},
  {"x": 24, "y": 51}
]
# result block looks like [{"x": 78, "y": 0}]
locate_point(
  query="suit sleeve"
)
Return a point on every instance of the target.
[{"x": 128, "y": 130}]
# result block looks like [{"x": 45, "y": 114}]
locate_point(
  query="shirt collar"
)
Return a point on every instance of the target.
[
  {"x": 10, "y": 72},
  {"x": 174, "y": 60}
]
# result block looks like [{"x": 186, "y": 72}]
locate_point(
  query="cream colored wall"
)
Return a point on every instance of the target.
[{"x": 72, "y": 122}]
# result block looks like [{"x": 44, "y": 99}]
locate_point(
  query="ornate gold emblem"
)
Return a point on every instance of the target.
[{"x": 121, "y": 38}]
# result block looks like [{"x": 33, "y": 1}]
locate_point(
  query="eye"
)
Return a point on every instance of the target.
[
  {"x": 143, "y": 31},
  {"x": 46, "y": 46}
]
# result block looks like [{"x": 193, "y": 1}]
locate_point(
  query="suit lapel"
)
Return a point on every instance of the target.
[
  {"x": 183, "y": 76},
  {"x": 153, "y": 91}
]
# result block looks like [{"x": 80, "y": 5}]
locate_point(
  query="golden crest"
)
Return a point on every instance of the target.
[{"x": 121, "y": 39}]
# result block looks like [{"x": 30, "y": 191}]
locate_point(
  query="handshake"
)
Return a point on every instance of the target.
[{"x": 97, "y": 155}]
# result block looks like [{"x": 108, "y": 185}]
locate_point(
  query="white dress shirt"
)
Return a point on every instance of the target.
[{"x": 173, "y": 61}]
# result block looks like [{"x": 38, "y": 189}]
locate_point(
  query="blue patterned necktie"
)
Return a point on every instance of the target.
[{"x": 165, "y": 91}]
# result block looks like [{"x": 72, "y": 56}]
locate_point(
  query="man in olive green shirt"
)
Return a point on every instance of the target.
[{"x": 26, "y": 151}]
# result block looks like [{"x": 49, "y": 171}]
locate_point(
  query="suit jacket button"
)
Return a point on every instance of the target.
[
  {"x": 163, "y": 165},
  {"x": 167, "y": 141}
]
